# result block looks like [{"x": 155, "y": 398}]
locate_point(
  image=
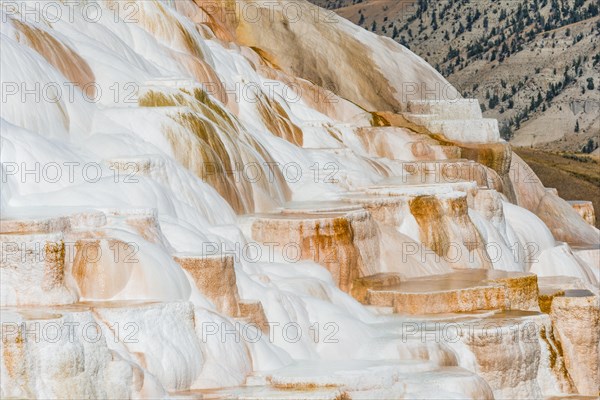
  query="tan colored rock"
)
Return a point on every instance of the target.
[
  {"x": 485, "y": 297},
  {"x": 507, "y": 351},
  {"x": 361, "y": 286},
  {"x": 317, "y": 97},
  {"x": 553, "y": 374},
  {"x": 576, "y": 319},
  {"x": 34, "y": 225},
  {"x": 343, "y": 242},
  {"x": 564, "y": 364},
  {"x": 254, "y": 312},
  {"x": 565, "y": 222},
  {"x": 521, "y": 288},
  {"x": 496, "y": 156},
  {"x": 387, "y": 210},
  {"x": 439, "y": 209},
  {"x": 366, "y": 235},
  {"x": 32, "y": 266},
  {"x": 447, "y": 229},
  {"x": 436, "y": 296},
  {"x": 215, "y": 278},
  {"x": 58, "y": 352},
  {"x": 555, "y": 286},
  {"x": 207, "y": 140},
  {"x": 460, "y": 291},
  {"x": 585, "y": 209}
]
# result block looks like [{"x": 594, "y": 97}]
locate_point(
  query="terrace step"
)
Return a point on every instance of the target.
[
  {"x": 397, "y": 143},
  {"x": 440, "y": 213},
  {"x": 32, "y": 262},
  {"x": 340, "y": 237},
  {"x": 357, "y": 380},
  {"x": 459, "y": 291},
  {"x": 446, "y": 109},
  {"x": 71, "y": 345},
  {"x": 575, "y": 314},
  {"x": 484, "y": 130},
  {"x": 34, "y": 225},
  {"x": 511, "y": 350},
  {"x": 441, "y": 171}
]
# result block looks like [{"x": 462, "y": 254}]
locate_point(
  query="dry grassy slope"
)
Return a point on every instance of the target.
[{"x": 530, "y": 68}]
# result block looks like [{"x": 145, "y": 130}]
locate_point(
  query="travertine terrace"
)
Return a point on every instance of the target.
[
  {"x": 585, "y": 209},
  {"x": 217, "y": 200}
]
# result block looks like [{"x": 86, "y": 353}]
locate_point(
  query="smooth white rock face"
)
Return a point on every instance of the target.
[
  {"x": 124, "y": 161},
  {"x": 459, "y": 120},
  {"x": 455, "y": 109}
]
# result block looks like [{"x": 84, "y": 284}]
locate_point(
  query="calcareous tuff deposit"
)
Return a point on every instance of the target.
[{"x": 235, "y": 199}]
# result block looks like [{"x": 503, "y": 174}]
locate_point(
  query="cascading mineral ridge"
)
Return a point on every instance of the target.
[{"x": 375, "y": 245}]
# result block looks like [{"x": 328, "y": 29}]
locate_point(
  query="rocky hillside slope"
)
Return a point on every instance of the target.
[{"x": 534, "y": 65}]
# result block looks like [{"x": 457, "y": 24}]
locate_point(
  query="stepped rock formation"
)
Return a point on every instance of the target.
[
  {"x": 487, "y": 50},
  {"x": 240, "y": 199}
]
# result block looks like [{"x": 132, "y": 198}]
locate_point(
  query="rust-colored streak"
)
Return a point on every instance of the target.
[
  {"x": 61, "y": 56},
  {"x": 278, "y": 121}
]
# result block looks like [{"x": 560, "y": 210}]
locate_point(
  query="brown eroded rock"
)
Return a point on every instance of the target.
[
  {"x": 444, "y": 224},
  {"x": 345, "y": 242},
  {"x": 215, "y": 278},
  {"x": 576, "y": 320},
  {"x": 209, "y": 141},
  {"x": 317, "y": 97},
  {"x": 585, "y": 209},
  {"x": 555, "y": 286},
  {"x": 507, "y": 351},
  {"x": 254, "y": 312}
]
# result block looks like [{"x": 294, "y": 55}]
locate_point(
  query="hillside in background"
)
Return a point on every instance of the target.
[{"x": 533, "y": 65}]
